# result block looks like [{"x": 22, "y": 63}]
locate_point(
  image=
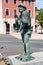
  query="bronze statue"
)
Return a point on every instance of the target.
[{"x": 24, "y": 20}]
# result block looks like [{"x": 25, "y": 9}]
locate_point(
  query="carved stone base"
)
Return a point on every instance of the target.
[
  {"x": 37, "y": 61},
  {"x": 24, "y": 57}
]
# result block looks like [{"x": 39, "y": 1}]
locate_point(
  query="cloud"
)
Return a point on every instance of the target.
[{"x": 39, "y": 4}]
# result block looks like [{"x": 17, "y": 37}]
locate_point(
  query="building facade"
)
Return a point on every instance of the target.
[{"x": 7, "y": 10}]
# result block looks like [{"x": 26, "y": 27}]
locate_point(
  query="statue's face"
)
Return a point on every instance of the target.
[{"x": 21, "y": 9}]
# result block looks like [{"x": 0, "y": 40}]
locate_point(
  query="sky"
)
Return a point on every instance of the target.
[{"x": 39, "y": 4}]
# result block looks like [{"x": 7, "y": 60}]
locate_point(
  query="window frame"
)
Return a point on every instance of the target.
[
  {"x": 14, "y": 2},
  {"x": 22, "y": 1},
  {"x": 16, "y": 11},
  {"x": 29, "y": 3},
  {"x": 8, "y": 11},
  {"x": 6, "y": 2}
]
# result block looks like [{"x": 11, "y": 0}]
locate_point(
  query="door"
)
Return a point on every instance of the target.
[{"x": 7, "y": 28}]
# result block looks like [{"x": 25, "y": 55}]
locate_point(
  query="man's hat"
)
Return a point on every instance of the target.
[{"x": 22, "y": 5}]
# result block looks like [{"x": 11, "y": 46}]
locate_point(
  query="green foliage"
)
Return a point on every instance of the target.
[
  {"x": 41, "y": 23},
  {"x": 39, "y": 17}
]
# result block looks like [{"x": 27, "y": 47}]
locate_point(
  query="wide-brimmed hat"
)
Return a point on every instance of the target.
[{"x": 22, "y": 5}]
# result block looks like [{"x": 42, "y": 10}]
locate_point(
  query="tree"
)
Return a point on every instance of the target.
[{"x": 39, "y": 17}]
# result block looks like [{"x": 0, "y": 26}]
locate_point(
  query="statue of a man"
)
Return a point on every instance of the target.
[{"x": 25, "y": 28}]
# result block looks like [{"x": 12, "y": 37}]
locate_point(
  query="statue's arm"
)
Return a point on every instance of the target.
[{"x": 29, "y": 24}]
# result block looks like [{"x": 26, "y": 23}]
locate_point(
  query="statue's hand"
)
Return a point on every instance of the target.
[{"x": 31, "y": 28}]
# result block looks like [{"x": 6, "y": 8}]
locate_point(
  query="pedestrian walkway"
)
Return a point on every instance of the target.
[{"x": 35, "y": 36}]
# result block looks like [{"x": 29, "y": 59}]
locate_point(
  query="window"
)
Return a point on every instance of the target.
[
  {"x": 15, "y": 12},
  {"x": 22, "y": 1},
  {"x": 29, "y": 1},
  {"x": 6, "y": 1},
  {"x": 14, "y": 1},
  {"x": 7, "y": 12}
]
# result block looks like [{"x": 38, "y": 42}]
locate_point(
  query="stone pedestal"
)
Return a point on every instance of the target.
[{"x": 37, "y": 61}]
